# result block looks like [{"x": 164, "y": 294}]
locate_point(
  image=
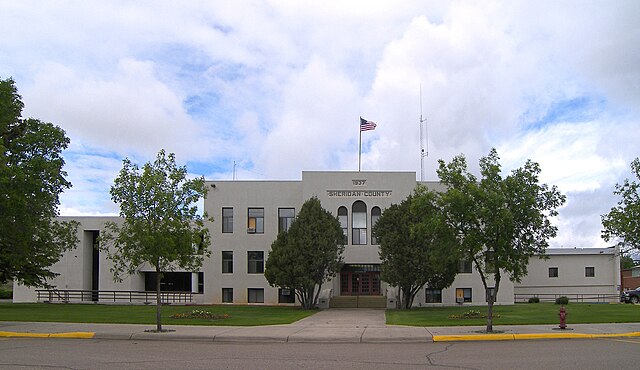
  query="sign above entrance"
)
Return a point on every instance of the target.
[{"x": 359, "y": 193}]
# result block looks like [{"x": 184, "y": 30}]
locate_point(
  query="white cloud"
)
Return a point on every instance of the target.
[{"x": 278, "y": 87}]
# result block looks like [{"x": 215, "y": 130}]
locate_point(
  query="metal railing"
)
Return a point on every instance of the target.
[
  {"x": 111, "y": 296},
  {"x": 575, "y": 297}
]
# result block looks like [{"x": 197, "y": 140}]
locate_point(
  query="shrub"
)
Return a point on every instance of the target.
[
  {"x": 6, "y": 294},
  {"x": 562, "y": 300},
  {"x": 534, "y": 300}
]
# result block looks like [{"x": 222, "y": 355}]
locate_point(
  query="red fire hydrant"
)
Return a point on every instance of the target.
[{"x": 563, "y": 317}]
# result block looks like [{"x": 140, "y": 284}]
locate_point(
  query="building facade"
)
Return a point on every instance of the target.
[{"x": 248, "y": 215}]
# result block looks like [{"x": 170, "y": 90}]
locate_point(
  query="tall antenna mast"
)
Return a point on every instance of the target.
[
  {"x": 234, "y": 170},
  {"x": 424, "y": 135}
]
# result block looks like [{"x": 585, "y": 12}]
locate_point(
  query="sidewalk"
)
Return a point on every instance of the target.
[{"x": 328, "y": 326}]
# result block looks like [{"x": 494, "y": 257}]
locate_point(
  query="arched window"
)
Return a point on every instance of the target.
[
  {"x": 375, "y": 215},
  {"x": 344, "y": 223},
  {"x": 359, "y": 223}
]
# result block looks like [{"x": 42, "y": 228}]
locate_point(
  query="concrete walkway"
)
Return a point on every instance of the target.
[{"x": 327, "y": 326}]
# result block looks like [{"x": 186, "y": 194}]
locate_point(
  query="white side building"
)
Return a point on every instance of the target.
[{"x": 582, "y": 274}]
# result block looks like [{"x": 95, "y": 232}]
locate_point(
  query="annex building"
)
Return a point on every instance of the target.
[{"x": 247, "y": 218}]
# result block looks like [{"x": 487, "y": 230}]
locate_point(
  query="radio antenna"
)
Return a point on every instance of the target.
[{"x": 424, "y": 136}]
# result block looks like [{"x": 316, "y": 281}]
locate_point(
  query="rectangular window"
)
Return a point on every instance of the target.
[
  {"x": 227, "y": 220},
  {"x": 200, "y": 282},
  {"x": 553, "y": 272},
  {"x": 255, "y": 221},
  {"x": 255, "y": 295},
  {"x": 255, "y": 262},
  {"x": 433, "y": 295},
  {"x": 286, "y": 296},
  {"x": 489, "y": 262},
  {"x": 589, "y": 271},
  {"x": 227, "y": 262},
  {"x": 227, "y": 295},
  {"x": 359, "y": 236},
  {"x": 464, "y": 266},
  {"x": 285, "y": 218},
  {"x": 464, "y": 295}
]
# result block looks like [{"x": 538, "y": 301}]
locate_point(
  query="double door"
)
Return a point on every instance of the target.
[{"x": 360, "y": 283}]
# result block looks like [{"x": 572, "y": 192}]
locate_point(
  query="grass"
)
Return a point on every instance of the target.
[
  {"x": 518, "y": 314},
  {"x": 116, "y": 314}
]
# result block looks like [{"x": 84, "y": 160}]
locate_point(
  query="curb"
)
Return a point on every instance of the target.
[
  {"x": 485, "y": 337},
  {"x": 74, "y": 335}
]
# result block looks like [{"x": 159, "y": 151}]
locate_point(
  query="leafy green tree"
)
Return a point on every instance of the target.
[
  {"x": 500, "y": 223},
  {"x": 31, "y": 180},
  {"x": 160, "y": 222},
  {"x": 622, "y": 223},
  {"x": 308, "y": 254},
  {"x": 417, "y": 248},
  {"x": 626, "y": 262}
]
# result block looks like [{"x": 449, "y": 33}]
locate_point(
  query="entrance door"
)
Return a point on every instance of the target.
[{"x": 360, "y": 283}]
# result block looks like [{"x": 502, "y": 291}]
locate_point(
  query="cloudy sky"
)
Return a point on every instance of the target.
[{"x": 277, "y": 87}]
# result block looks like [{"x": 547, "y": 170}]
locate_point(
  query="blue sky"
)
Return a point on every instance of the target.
[{"x": 277, "y": 87}]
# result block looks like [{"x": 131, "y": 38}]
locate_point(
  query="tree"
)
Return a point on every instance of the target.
[
  {"x": 500, "y": 223},
  {"x": 308, "y": 254},
  {"x": 622, "y": 223},
  {"x": 31, "y": 180},
  {"x": 626, "y": 262},
  {"x": 416, "y": 246},
  {"x": 160, "y": 221}
]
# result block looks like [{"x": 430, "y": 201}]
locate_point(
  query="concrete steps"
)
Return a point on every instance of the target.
[{"x": 358, "y": 302}]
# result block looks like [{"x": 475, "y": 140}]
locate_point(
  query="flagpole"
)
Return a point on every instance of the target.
[{"x": 359, "y": 143}]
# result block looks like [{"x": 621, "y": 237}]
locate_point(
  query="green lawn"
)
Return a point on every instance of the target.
[
  {"x": 518, "y": 314},
  {"x": 90, "y": 313}
]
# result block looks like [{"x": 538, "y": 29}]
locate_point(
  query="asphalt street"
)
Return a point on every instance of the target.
[{"x": 34, "y": 353}]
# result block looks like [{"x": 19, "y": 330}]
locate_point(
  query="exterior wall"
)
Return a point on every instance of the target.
[
  {"x": 242, "y": 195},
  {"x": 631, "y": 278},
  {"x": 75, "y": 266},
  {"x": 571, "y": 280}
]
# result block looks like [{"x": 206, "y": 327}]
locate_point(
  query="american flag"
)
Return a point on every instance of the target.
[{"x": 366, "y": 125}]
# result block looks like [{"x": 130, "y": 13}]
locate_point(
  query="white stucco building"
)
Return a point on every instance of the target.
[{"x": 247, "y": 218}]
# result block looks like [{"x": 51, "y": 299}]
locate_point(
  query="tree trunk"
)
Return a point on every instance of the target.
[
  {"x": 158, "y": 301},
  {"x": 490, "y": 315}
]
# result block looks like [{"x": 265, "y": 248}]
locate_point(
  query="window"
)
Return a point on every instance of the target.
[
  {"x": 490, "y": 262},
  {"x": 227, "y": 262},
  {"x": 255, "y": 295},
  {"x": 200, "y": 282},
  {"x": 227, "y": 295},
  {"x": 171, "y": 281},
  {"x": 255, "y": 222},
  {"x": 464, "y": 267},
  {"x": 464, "y": 295},
  {"x": 227, "y": 220},
  {"x": 375, "y": 215},
  {"x": 433, "y": 295},
  {"x": 285, "y": 218},
  {"x": 344, "y": 223},
  {"x": 359, "y": 223},
  {"x": 553, "y": 272},
  {"x": 589, "y": 271},
  {"x": 286, "y": 296},
  {"x": 255, "y": 262}
]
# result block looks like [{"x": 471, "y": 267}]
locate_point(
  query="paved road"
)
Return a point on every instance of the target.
[{"x": 33, "y": 353}]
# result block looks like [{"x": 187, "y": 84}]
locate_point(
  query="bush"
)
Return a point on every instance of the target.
[
  {"x": 534, "y": 300},
  {"x": 562, "y": 300},
  {"x": 6, "y": 294}
]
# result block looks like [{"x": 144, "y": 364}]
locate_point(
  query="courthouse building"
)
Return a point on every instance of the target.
[{"x": 247, "y": 218}]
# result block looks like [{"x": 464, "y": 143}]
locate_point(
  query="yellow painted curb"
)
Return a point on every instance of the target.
[
  {"x": 75, "y": 335},
  {"x": 479, "y": 337},
  {"x": 456, "y": 338}
]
